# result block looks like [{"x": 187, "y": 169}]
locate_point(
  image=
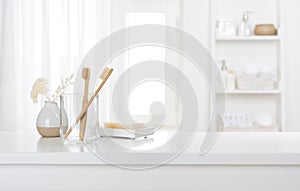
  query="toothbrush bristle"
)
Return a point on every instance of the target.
[
  {"x": 85, "y": 73},
  {"x": 105, "y": 73}
]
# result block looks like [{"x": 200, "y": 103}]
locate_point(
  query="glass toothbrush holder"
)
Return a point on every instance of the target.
[{"x": 70, "y": 107}]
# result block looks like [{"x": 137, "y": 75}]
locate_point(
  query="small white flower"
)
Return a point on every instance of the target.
[{"x": 40, "y": 86}]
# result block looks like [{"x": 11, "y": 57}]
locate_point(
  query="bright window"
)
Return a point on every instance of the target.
[{"x": 145, "y": 93}]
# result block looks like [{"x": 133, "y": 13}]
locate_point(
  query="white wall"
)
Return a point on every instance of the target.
[
  {"x": 196, "y": 19},
  {"x": 291, "y": 35},
  {"x": 196, "y": 22}
]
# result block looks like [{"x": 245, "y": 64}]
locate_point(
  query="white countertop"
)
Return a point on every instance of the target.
[{"x": 229, "y": 149}]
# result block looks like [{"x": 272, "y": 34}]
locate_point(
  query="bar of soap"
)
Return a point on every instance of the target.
[{"x": 123, "y": 126}]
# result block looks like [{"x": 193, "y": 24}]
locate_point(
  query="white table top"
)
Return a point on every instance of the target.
[{"x": 229, "y": 149}]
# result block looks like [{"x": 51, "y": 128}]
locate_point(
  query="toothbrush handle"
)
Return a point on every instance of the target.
[{"x": 84, "y": 118}]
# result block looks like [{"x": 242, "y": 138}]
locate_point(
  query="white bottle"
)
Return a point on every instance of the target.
[
  {"x": 230, "y": 80},
  {"x": 244, "y": 27}
]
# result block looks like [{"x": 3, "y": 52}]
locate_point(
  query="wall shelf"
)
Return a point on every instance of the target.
[
  {"x": 253, "y": 92},
  {"x": 248, "y": 38},
  {"x": 252, "y": 129},
  {"x": 242, "y": 52}
]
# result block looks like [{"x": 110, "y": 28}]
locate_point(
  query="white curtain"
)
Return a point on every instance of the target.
[
  {"x": 43, "y": 38},
  {"x": 7, "y": 70}
]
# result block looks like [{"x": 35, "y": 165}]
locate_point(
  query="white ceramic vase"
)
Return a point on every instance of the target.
[{"x": 48, "y": 120}]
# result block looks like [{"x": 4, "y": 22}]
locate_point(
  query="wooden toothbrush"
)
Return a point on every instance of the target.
[
  {"x": 86, "y": 76},
  {"x": 104, "y": 76}
]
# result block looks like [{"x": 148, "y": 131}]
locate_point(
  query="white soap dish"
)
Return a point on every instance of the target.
[{"x": 126, "y": 133}]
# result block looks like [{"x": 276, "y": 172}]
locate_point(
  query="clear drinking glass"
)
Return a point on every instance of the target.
[{"x": 72, "y": 105}]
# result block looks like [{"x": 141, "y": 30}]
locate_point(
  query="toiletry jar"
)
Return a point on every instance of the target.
[
  {"x": 226, "y": 27},
  {"x": 265, "y": 29}
]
